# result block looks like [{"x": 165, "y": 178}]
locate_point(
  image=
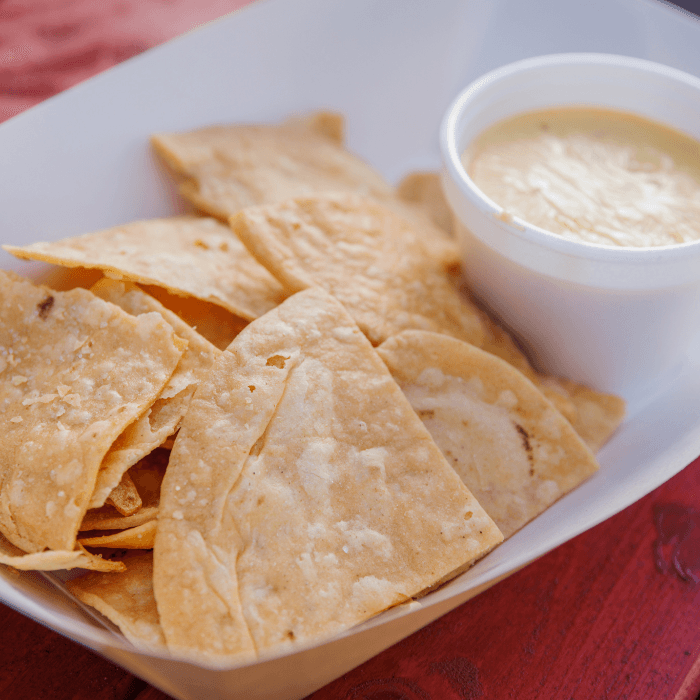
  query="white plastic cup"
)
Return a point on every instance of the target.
[{"x": 615, "y": 319}]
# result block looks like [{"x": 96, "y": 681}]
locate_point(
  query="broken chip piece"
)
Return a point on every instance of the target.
[
  {"x": 126, "y": 599},
  {"x": 54, "y": 560},
  {"x": 147, "y": 476}
]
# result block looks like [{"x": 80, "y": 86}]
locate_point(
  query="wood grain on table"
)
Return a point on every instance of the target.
[{"x": 614, "y": 613}]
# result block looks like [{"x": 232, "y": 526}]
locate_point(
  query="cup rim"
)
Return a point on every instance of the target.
[{"x": 449, "y": 138}]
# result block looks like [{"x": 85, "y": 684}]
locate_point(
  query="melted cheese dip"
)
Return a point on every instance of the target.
[{"x": 594, "y": 175}]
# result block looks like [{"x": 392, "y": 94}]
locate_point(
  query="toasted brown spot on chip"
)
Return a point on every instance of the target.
[{"x": 276, "y": 361}]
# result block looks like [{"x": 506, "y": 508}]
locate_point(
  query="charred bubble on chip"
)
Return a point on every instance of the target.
[
  {"x": 526, "y": 442},
  {"x": 44, "y": 307}
]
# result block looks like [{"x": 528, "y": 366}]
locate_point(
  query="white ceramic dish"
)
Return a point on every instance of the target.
[
  {"x": 585, "y": 310},
  {"x": 81, "y": 162}
]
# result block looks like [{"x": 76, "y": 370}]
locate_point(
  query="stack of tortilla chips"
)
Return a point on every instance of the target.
[{"x": 281, "y": 415}]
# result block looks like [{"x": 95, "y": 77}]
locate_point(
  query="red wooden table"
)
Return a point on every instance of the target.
[{"x": 615, "y": 613}]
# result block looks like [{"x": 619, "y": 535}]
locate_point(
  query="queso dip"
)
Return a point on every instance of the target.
[{"x": 594, "y": 175}]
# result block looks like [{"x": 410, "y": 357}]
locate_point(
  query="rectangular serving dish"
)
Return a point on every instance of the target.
[{"x": 81, "y": 162}]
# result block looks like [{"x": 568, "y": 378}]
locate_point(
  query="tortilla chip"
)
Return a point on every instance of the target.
[
  {"x": 597, "y": 415},
  {"x": 214, "y": 323},
  {"x": 303, "y": 494},
  {"x": 328, "y": 124},
  {"x": 151, "y": 430},
  {"x": 54, "y": 560},
  {"x": 139, "y": 537},
  {"x": 108, "y": 518},
  {"x": 510, "y": 446},
  {"x": 377, "y": 264},
  {"x": 594, "y": 415},
  {"x": 74, "y": 372},
  {"x": 63, "y": 279},
  {"x": 162, "y": 419},
  {"x": 124, "y": 496},
  {"x": 199, "y": 355},
  {"x": 227, "y": 168},
  {"x": 187, "y": 255},
  {"x": 147, "y": 476},
  {"x": 126, "y": 600},
  {"x": 424, "y": 190}
]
